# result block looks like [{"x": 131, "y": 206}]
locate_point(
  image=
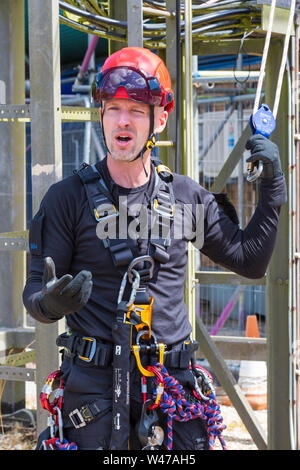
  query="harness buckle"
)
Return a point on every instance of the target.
[
  {"x": 77, "y": 419},
  {"x": 108, "y": 210},
  {"x": 165, "y": 209},
  {"x": 91, "y": 354}
]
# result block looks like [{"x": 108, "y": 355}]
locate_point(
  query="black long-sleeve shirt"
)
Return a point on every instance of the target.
[{"x": 64, "y": 229}]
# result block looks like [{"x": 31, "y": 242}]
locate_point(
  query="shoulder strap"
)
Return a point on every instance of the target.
[
  {"x": 162, "y": 201},
  {"x": 103, "y": 206}
]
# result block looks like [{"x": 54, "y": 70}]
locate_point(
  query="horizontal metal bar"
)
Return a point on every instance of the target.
[
  {"x": 14, "y": 241},
  {"x": 16, "y": 244},
  {"x": 164, "y": 143},
  {"x": 228, "y": 46},
  {"x": 156, "y": 12},
  {"x": 17, "y": 374},
  {"x": 14, "y": 112},
  {"x": 239, "y": 348},
  {"x": 223, "y": 277},
  {"x": 76, "y": 113},
  {"x": 223, "y": 76},
  {"x": 21, "y": 113},
  {"x": 18, "y": 359}
]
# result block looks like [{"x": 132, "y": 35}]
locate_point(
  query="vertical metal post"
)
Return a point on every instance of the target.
[
  {"x": 241, "y": 162},
  {"x": 118, "y": 11},
  {"x": 297, "y": 239},
  {"x": 277, "y": 280},
  {"x": 12, "y": 178},
  {"x": 172, "y": 68},
  {"x": 135, "y": 23},
  {"x": 188, "y": 155},
  {"x": 46, "y": 146}
]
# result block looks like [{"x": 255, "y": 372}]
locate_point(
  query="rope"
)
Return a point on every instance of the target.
[
  {"x": 174, "y": 404},
  {"x": 56, "y": 444}
]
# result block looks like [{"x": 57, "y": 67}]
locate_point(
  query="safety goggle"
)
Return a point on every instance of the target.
[{"x": 139, "y": 87}]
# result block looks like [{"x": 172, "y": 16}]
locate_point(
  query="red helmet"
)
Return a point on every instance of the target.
[{"x": 135, "y": 73}]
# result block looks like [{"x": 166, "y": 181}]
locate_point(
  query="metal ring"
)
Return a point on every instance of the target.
[{"x": 137, "y": 260}]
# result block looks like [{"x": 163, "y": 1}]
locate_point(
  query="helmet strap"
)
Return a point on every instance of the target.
[{"x": 150, "y": 141}]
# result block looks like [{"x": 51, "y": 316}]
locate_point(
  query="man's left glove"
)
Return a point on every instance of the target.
[
  {"x": 263, "y": 149},
  {"x": 66, "y": 295}
]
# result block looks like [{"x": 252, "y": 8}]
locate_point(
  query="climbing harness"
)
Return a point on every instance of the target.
[{"x": 263, "y": 120}]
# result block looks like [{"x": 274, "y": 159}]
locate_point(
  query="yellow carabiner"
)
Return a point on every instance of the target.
[
  {"x": 136, "y": 352},
  {"x": 161, "y": 350}
]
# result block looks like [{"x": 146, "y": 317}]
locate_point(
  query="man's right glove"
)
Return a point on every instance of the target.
[
  {"x": 263, "y": 149},
  {"x": 66, "y": 295}
]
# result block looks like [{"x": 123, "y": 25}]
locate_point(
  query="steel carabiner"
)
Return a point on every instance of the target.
[{"x": 137, "y": 260}]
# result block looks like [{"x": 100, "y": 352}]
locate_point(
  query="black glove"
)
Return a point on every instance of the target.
[
  {"x": 263, "y": 149},
  {"x": 62, "y": 296}
]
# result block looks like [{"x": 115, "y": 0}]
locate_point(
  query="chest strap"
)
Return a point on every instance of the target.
[{"x": 103, "y": 207}]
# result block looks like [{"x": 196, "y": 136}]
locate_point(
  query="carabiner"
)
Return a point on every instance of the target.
[
  {"x": 48, "y": 389},
  {"x": 136, "y": 351},
  {"x": 252, "y": 175},
  {"x": 137, "y": 260},
  {"x": 159, "y": 388},
  {"x": 59, "y": 424},
  {"x": 135, "y": 286}
]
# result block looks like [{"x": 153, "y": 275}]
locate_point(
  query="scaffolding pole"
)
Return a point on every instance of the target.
[{"x": 46, "y": 150}]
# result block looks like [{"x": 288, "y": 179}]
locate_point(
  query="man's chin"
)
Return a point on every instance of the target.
[{"x": 123, "y": 158}]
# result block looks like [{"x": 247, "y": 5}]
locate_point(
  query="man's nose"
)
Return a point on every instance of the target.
[{"x": 124, "y": 118}]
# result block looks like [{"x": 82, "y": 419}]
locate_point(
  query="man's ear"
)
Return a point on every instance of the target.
[
  {"x": 161, "y": 118},
  {"x": 100, "y": 114}
]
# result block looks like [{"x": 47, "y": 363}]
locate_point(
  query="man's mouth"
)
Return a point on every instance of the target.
[{"x": 123, "y": 139}]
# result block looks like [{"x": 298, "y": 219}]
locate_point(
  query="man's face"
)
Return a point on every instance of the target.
[{"x": 126, "y": 125}]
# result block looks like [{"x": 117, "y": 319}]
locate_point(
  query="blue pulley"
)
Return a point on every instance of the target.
[{"x": 263, "y": 121}]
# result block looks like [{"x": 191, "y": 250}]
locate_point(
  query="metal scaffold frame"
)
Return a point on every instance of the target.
[{"x": 46, "y": 114}]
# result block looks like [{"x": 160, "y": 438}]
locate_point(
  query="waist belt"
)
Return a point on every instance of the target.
[
  {"x": 86, "y": 348},
  {"x": 177, "y": 356}
]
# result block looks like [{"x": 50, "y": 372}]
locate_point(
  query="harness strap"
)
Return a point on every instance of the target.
[
  {"x": 103, "y": 206},
  {"x": 88, "y": 413},
  {"x": 180, "y": 359},
  {"x": 86, "y": 348}
]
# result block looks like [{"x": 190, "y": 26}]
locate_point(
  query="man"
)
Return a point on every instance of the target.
[{"x": 123, "y": 294}]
